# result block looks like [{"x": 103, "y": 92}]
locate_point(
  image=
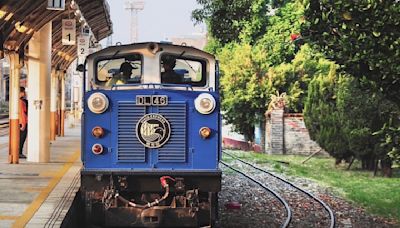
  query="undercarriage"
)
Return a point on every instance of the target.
[{"x": 126, "y": 199}]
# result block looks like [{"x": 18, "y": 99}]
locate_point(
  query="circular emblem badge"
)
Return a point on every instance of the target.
[{"x": 153, "y": 130}]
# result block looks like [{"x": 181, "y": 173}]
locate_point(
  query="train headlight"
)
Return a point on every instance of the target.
[
  {"x": 205, "y": 103},
  {"x": 98, "y": 103},
  {"x": 97, "y": 149}
]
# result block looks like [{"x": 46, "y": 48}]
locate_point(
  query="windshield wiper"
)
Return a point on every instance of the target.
[
  {"x": 112, "y": 57},
  {"x": 183, "y": 52}
]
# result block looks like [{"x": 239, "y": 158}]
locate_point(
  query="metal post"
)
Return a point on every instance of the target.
[{"x": 134, "y": 7}]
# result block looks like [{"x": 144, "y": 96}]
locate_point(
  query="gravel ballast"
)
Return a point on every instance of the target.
[{"x": 260, "y": 209}]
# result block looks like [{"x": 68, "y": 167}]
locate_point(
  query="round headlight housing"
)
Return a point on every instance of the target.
[
  {"x": 98, "y": 103},
  {"x": 205, "y": 103}
]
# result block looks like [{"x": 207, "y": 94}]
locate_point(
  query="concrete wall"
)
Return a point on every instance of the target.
[{"x": 287, "y": 134}]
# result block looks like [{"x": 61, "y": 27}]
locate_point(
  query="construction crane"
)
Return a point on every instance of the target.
[{"x": 134, "y": 7}]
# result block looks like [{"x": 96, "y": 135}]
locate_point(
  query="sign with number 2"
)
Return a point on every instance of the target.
[{"x": 83, "y": 46}]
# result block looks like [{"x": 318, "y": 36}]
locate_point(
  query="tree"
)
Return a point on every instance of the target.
[
  {"x": 293, "y": 78},
  {"x": 321, "y": 117},
  {"x": 275, "y": 45},
  {"x": 364, "y": 39},
  {"x": 342, "y": 118},
  {"x": 247, "y": 79},
  {"x": 362, "y": 36},
  {"x": 243, "y": 88},
  {"x": 227, "y": 19}
]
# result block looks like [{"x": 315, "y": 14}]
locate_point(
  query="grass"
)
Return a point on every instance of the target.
[{"x": 378, "y": 195}]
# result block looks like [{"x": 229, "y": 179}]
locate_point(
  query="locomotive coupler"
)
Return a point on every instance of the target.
[
  {"x": 179, "y": 186},
  {"x": 123, "y": 182}
]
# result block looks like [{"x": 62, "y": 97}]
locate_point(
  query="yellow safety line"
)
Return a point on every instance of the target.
[
  {"x": 8, "y": 217},
  {"x": 35, "y": 205},
  {"x": 33, "y": 189}
]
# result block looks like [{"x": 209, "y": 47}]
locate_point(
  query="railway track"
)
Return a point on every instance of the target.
[
  {"x": 3, "y": 127},
  {"x": 270, "y": 190},
  {"x": 303, "y": 209},
  {"x": 4, "y": 124}
]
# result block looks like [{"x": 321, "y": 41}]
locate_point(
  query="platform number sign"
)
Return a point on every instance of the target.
[
  {"x": 83, "y": 46},
  {"x": 68, "y": 31},
  {"x": 56, "y": 4}
]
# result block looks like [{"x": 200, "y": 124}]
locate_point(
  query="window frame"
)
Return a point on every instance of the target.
[
  {"x": 204, "y": 78},
  {"x": 101, "y": 58}
]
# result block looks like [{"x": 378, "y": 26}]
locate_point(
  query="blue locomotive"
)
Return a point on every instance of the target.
[{"x": 151, "y": 139}]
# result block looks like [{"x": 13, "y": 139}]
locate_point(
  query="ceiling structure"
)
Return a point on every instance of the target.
[{"x": 20, "y": 19}]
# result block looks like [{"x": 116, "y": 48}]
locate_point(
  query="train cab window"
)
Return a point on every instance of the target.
[
  {"x": 181, "y": 70},
  {"x": 119, "y": 71}
]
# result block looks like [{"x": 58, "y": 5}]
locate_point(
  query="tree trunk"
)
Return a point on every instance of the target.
[
  {"x": 386, "y": 165},
  {"x": 351, "y": 163},
  {"x": 376, "y": 167},
  {"x": 368, "y": 163}
]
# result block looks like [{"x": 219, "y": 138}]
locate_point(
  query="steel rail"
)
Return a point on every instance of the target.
[
  {"x": 275, "y": 194},
  {"x": 323, "y": 204}
]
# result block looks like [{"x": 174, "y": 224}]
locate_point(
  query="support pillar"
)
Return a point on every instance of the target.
[
  {"x": 2, "y": 82},
  {"x": 58, "y": 121},
  {"x": 53, "y": 105},
  {"x": 62, "y": 116},
  {"x": 277, "y": 127},
  {"x": 39, "y": 95},
  {"x": 15, "y": 67}
]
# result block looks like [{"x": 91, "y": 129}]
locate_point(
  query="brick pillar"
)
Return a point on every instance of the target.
[{"x": 276, "y": 134}]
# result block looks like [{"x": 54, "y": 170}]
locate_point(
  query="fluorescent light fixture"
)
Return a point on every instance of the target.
[
  {"x": 20, "y": 27},
  {"x": 9, "y": 16},
  {"x": 2, "y": 13}
]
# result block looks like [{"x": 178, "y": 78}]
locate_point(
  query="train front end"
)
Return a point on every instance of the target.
[{"x": 151, "y": 145}]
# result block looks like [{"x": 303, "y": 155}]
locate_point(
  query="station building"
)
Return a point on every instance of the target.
[{"x": 34, "y": 54}]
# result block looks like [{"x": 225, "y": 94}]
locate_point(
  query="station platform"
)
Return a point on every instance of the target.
[{"x": 40, "y": 194}]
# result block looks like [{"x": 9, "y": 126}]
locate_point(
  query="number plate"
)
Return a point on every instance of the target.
[{"x": 155, "y": 100}]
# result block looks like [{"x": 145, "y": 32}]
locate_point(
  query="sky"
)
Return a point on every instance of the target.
[{"x": 159, "y": 19}]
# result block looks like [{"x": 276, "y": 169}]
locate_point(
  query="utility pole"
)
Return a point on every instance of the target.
[
  {"x": 109, "y": 41},
  {"x": 134, "y": 7}
]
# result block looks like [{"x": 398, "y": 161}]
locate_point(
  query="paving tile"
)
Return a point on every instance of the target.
[{"x": 22, "y": 184}]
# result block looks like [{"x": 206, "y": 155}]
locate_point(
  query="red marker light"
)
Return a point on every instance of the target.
[{"x": 97, "y": 149}]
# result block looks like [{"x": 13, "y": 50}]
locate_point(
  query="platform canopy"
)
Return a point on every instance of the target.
[{"x": 20, "y": 19}]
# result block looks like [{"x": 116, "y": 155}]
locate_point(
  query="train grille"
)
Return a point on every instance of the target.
[
  {"x": 175, "y": 149},
  {"x": 129, "y": 147}
]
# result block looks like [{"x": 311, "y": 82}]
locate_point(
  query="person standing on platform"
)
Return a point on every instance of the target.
[{"x": 23, "y": 120}]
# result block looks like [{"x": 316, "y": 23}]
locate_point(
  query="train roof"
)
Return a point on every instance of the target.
[{"x": 151, "y": 47}]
